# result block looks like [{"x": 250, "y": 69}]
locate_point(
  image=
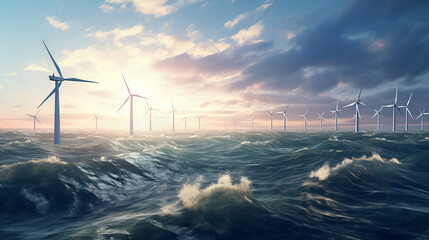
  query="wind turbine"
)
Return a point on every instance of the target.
[
  {"x": 284, "y": 118},
  {"x": 422, "y": 115},
  {"x": 271, "y": 119},
  {"x": 58, "y": 81},
  {"x": 252, "y": 118},
  {"x": 321, "y": 119},
  {"x": 96, "y": 121},
  {"x": 336, "y": 111},
  {"x": 149, "y": 109},
  {"x": 34, "y": 119},
  {"x": 235, "y": 123},
  {"x": 172, "y": 111},
  {"x": 394, "y": 106},
  {"x": 407, "y": 111},
  {"x": 357, "y": 113},
  {"x": 199, "y": 121},
  {"x": 130, "y": 97},
  {"x": 305, "y": 120},
  {"x": 378, "y": 114},
  {"x": 184, "y": 118}
]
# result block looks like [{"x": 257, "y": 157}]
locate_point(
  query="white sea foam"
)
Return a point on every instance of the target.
[
  {"x": 17, "y": 142},
  {"x": 325, "y": 171},
  {"x": 192, "y": 193},
  {"x": 427, "y": 138},
  {"x": 38, "y": 199},
  {"x": 302, "y": 149},
  {"x": 51, "y": 159},
  {"x": 244, "y": 142},
  {"x": 381, "y": 139}
]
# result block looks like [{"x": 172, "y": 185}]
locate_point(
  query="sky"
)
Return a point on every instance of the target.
[{"x": 224, "y": 59}]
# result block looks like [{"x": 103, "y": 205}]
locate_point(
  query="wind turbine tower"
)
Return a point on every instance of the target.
[
  {"x": 185, "y": 118},
  {"x": 34, "y": 120},
  {"x": 284, "y": 118},
  {"x": 271, "y": 119},
  {"x": 321, "y": 120},
  {"x": 96, "y": 121},
  {"x": 422, "y": 115},
  {"x": 407, "y": 111},
  {"x": 130, "y": 97},
  {"x": 305, "y": 120},
  {"x": 149, "y": 109},
  {"x": 378, "y": 114},
  {"x": 357, "y": 112},
  {"x": 235, "y": 123},
  {"x": 58, "y": 82},
  {"x": 394, "y": 106},
  {"x": 252, "y": 118},
  {"x": 172, "y": 111},
  {"x": 336, "y": 111},
  {"x": 199, "y": 121}
]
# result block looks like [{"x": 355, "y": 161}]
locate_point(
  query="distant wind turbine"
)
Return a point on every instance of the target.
[
  {"x": 305, "y": 120},
  {"x": 407, "y": 111},
  {"x": 378, "y": 114},
  {"x": 96, "y": 121},
  {"x": 394, "y": 106},
  {"x": 336, "y": 111},
  {"x": 58, "y": 81},
  {"x": 422, "y": 115},
  {"x": 199, "y": 121},
  {"x": 284, "y": 117},
  {"x": 173, "y": 111},
  {"x": 235, "y": 123},
  {"x": 271, "y": 119},
  {"x": 34, "y": 119},
  {"x": 321, "y": 120},
  {"x": 252, "y": 118},
  {"x": 130, "y": 97},
  {"x": 149, "y": 109},
  {"x": 357, "y": 113},
  {"x": 184, "y": 118}
]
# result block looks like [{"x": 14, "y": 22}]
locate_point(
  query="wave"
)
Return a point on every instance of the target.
[
  {"x": 51, "y": 160},
  {"x": 325, "y": 171}
]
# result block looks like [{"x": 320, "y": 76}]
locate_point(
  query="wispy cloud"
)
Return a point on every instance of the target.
[
  {"x": 10, "y": 74},
  {"x": 35, "y": 67},
  {"x": 156, "y": 8},
  {"x": 241, "y": 17},
  {"x": 117, "y": 33},
  {"x": 245, "y": 36},
  {"x": 56, "y": 23},
  {"x": 106, "y": 8}
]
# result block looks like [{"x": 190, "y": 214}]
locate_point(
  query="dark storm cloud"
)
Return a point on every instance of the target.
[{"x": 369, "y": 43}]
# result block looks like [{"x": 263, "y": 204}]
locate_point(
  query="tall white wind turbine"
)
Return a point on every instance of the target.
[
  {"x": 321, "y": 120},
  {"x": 394, "y": 106},
  {"x": 149, "y": 109},
  {"x": 172, "y": 111},
  {"x": 235, "y": 123},
  {"x": 336, "y": 111},
  {"x": 407, "y": 111},
  {"x": 357, "y": 112},
  {"x": 199, "y": 121},
  {"x": 58, "y": 81},
  {"x": 422, "y": 115},
  {"x": 34, "y": 119},
  {"x": 271, "y": 119},
  {"x": 284, "y": 117},
  {"x": 378, "y": 114},
  {"x": 130, "y": 97},
  {"x": 96, "y": 121},
  {"x": 305, "y": 120},
  {"x": 184, "y": 118}
]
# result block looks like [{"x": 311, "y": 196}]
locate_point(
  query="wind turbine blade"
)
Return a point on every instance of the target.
[
  {"x": 409, "y": 99},
  {"x": 169, "y": 113},
  {"x": 136, "y": 95},
  {"x": 146, "y": 113},
  {"x": 349, "y": 105},
  {"x": 407, "y": 110},
  {"x": 155, "y": 109},
  {"x": 37, "y": 113},
  {"x": 396, "y": 96},
  {"x": 126, "y": 83},
  {"x": 358, "y": 99},
  {"x": 53, "y": 60},
  {"x": 339, "y": 115},
  {"x": 375, "y": 114},
  {"x": 203, "y": 116},
  {"x": 124, "y": 103},
  {"x": 400, "y": 112},
  {"x": 387, "y": 106},
  {"x": 30, "y": 115},
  {"x": 78, "y": 80},
  {"x": 306, "y": 112},
  {"x": 147, "y": 104},
  {"x": 337, "y": 105},
  {"x": 358, "y": 112},
  {"x": 50, "y": 94},
  {"x": 38, "y": 120}
]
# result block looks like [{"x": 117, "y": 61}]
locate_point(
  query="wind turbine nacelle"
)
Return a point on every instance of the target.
[{"x": 55, "y": 78}]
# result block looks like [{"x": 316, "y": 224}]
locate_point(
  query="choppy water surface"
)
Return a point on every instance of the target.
[{"x": 214, "y": 186}]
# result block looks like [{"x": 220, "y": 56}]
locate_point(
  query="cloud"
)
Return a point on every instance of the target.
[
  {"x": 117, "y": 34},
  {"x": 388, "y": 45},
  {"x": 56, "y": 23},
  {"x": 106, "y": 8},
  {"x": 34, "y": 67},
  {"x": 246, "y": 36},
  {"x": 10, "y": 74},
  {"x": 156, "y": 8},
  {"x": 239, "y": 18}
]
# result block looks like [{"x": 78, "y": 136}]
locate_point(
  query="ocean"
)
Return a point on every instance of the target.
[{"x": 214, "y": 185}]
